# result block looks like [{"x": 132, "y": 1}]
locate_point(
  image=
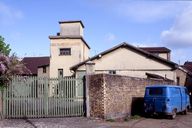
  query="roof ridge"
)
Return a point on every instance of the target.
[
  {"x": 124, "y": 44},
  {"x": 36, "y": 56}
]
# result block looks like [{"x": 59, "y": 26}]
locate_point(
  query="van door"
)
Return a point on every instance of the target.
[
  {"x": 155, "y": 99},
  {"x": 183, "y": 99},
  {"x": 175, "y": 98}
]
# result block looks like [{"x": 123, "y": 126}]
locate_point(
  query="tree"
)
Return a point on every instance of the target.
[
  {"x": 4, "y": 48},
  {"x": 10, "y": 66}
]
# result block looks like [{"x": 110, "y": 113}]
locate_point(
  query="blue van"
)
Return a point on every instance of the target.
[{"x": 166, "y": 99}]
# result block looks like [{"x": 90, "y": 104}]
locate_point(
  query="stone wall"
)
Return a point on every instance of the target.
[{"x": 113, "y": 96}]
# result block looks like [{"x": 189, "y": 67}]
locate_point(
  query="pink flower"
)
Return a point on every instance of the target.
[{"x": 2, "y": 68}]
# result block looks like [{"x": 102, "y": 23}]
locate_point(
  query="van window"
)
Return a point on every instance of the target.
[
  {"x": 155, "y": 91},
  {"x": 175, "y": 92}
]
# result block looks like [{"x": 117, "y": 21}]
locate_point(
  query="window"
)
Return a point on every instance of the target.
[
  {"x": 155, "y": 91},
  {"x": 65, "y": 51},
  {"x": 60, "y": 73},
  {"x": 112, "y": 72},
  {"x": 44, "y": 70},
  {"x": 175, "y": 92}
]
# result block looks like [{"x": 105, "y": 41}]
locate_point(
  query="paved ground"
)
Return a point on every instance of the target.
[{"x": 181, "y": 121}]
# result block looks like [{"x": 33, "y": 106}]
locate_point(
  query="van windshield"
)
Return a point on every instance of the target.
[{"x": 155, "y": 91}]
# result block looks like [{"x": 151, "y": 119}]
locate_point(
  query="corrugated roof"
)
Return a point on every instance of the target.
[
  {"x": 156, "y": 76},
  {"x": 32, "y": 63}
]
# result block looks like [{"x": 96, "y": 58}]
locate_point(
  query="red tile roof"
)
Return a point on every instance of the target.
[
  {"x": 156, "y": 49},
  {"x": 188, "y": 65},
  {"x": 32, "y": 63}
]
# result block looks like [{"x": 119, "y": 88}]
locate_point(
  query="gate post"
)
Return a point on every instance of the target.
[
  {"x": 86, "y": 95},
  {"x": 90, "y": 70}
]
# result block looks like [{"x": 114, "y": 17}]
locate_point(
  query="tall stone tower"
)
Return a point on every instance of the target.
[{"x": 67, "y": 48}]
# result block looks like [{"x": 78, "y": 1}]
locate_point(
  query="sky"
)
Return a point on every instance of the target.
[{"x": 26, "y": 24}]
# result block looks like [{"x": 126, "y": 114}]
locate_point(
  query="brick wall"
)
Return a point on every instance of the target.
[
  {"x": 96, "y": 95},
  {"x": 113, "y": 96}
]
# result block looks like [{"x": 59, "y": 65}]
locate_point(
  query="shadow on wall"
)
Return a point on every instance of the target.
[{"x": 137, "y": 106}]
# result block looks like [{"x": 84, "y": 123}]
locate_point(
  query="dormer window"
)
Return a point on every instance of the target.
[{"x": 65, "y": 51}]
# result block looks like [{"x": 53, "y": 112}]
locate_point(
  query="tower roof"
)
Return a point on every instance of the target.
[{"x": 72, "y": 21}]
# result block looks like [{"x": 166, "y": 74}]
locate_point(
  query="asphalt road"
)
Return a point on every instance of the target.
[{"x": 181, "y": 121}]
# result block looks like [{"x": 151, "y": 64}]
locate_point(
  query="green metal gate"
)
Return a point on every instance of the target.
[{"x": 34, "y": 97}]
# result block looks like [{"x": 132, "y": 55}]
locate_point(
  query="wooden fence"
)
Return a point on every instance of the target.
[{"x": 34, "y": 97}]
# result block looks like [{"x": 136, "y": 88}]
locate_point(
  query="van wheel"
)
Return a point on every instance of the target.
[{"x": 174, "y": 113}]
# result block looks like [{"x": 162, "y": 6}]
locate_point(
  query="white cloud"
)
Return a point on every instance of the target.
[
  {"x": 180, "y": 56},
  {"x": 149, "y": 11},
  {"x": 144, "y": 44},
  {"x": 9, "y": 15},
  {"x": 180, "y": 34},
  {"x": 142, "y": 11}
]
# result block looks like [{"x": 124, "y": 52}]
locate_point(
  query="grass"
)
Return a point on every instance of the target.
[
  {"x": 110, "y": 120},
  {"x": 127, "y": 119},
  {"x": 135, "y": 117}
]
